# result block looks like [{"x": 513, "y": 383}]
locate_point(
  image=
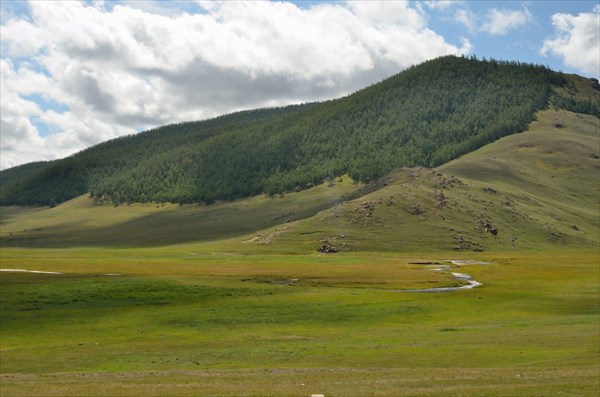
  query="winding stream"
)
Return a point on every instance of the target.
[{"x": 459, "y": 276}]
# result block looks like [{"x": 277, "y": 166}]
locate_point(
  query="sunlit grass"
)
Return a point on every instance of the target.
[{"x": 232, "y": 315}]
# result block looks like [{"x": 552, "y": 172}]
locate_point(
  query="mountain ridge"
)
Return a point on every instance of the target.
[{"x": 423, "y": 116}]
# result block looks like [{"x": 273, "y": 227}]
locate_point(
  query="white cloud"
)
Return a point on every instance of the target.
[
  {"x": 499, "y": 22},
  {"x": 20, "y": 139},
  {"x": 441, "y": 4},
  {"x": 467, "y": 18},
  {"x": 577, "y": 40},
  {"x": 121, "y": 68}
]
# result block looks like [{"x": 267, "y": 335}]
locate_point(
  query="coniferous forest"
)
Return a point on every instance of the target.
[{"x": 426, "y": 115}]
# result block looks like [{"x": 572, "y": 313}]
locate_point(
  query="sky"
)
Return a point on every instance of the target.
[{"x": 77, "y": 73}]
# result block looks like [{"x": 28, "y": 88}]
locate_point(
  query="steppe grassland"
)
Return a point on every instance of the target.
[{"x": 178, "y": 321}]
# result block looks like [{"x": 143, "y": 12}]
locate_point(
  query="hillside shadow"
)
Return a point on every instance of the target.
[{"x": 177, "y": 226}]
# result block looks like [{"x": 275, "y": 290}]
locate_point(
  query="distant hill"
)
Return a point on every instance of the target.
[{"x": 426, "y": 116}]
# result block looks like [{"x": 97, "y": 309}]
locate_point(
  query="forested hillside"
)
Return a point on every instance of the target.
[{"x": 426, "y": 115}]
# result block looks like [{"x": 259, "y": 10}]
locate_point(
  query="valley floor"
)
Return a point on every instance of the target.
[{"x": 193, "y": 320}]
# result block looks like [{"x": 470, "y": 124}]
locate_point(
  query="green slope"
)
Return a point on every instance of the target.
[
  {"x": 538, "y": 190},
  {"x": 424, "y": 116},
  {"x": 535, "y": 190},
  {"x": 79, "y": 222}
]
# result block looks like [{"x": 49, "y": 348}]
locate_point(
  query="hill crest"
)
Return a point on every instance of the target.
[{"x": 424, "y": 116}]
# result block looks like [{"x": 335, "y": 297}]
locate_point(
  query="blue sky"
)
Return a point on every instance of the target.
[{"x": 74, "y": 74}]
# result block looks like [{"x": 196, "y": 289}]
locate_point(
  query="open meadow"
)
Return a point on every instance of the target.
[{"x": 192, "y": 320}]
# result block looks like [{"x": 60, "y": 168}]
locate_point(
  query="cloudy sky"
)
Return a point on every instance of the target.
[{"x": 74, "y": 74}]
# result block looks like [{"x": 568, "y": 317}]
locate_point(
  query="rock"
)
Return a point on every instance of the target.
[
  {"x": 417, "y": 210},
  {"x": 492, "y": 230},
  {"x": 450, "y": 182},
  {"x": 487, "y": 227},
  {"x": 368, "y": 207},
  {"x": 327, "y": 248},
  {"x": 440, "y": 200}
]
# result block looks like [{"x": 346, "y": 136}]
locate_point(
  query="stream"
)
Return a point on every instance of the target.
[{"x": 459, "y": 276}]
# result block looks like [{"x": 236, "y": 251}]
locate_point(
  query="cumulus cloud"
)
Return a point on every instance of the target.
[
  {"x": 577, "y": 40},
  {"x": 133, "y": 66},
  {"x": 500, "y": 22}
]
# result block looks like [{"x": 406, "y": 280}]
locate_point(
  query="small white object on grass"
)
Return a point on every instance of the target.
[{"x": 317, "y": 395}]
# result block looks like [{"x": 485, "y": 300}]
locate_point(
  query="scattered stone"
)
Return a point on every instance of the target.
[
  {"x": 574, "y": 227},
  {"x": 327, "y": 248},
  {"x": 440, "y": 200},
  {"x": 555, "y": 235},
  {"x": 449, "y": 182},
  {"x": 487, "y": 227},
  {"x": 464, "y": 244},
  {"x": 508, "y": 202},
  {"x": 368, "y": 207},
  {"x": 417, "y": 210},
  {"x": 490, "y": 190},
  {"x": 491, "y": 229}
]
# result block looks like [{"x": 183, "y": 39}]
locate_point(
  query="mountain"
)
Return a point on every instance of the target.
[
  {"x": 534, "y": 190},
  {"x": 425, "y": 116},
  {"x": 537, "y": 189}
]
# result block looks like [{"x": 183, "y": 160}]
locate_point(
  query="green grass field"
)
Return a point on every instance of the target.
[
  {"x": 179, "y": 322},
  {"x": 234, "y": 299}
]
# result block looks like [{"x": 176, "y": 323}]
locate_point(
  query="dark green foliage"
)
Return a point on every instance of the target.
[
  {"x": 16, "y": 174},
  {"x": 584, "y": 106},
  {"x": 426, "y": 115}
]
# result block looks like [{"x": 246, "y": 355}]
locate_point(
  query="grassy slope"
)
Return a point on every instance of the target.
[
  {"x": 79, "y": 222},
  {"x": 538, "y": 189}
]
